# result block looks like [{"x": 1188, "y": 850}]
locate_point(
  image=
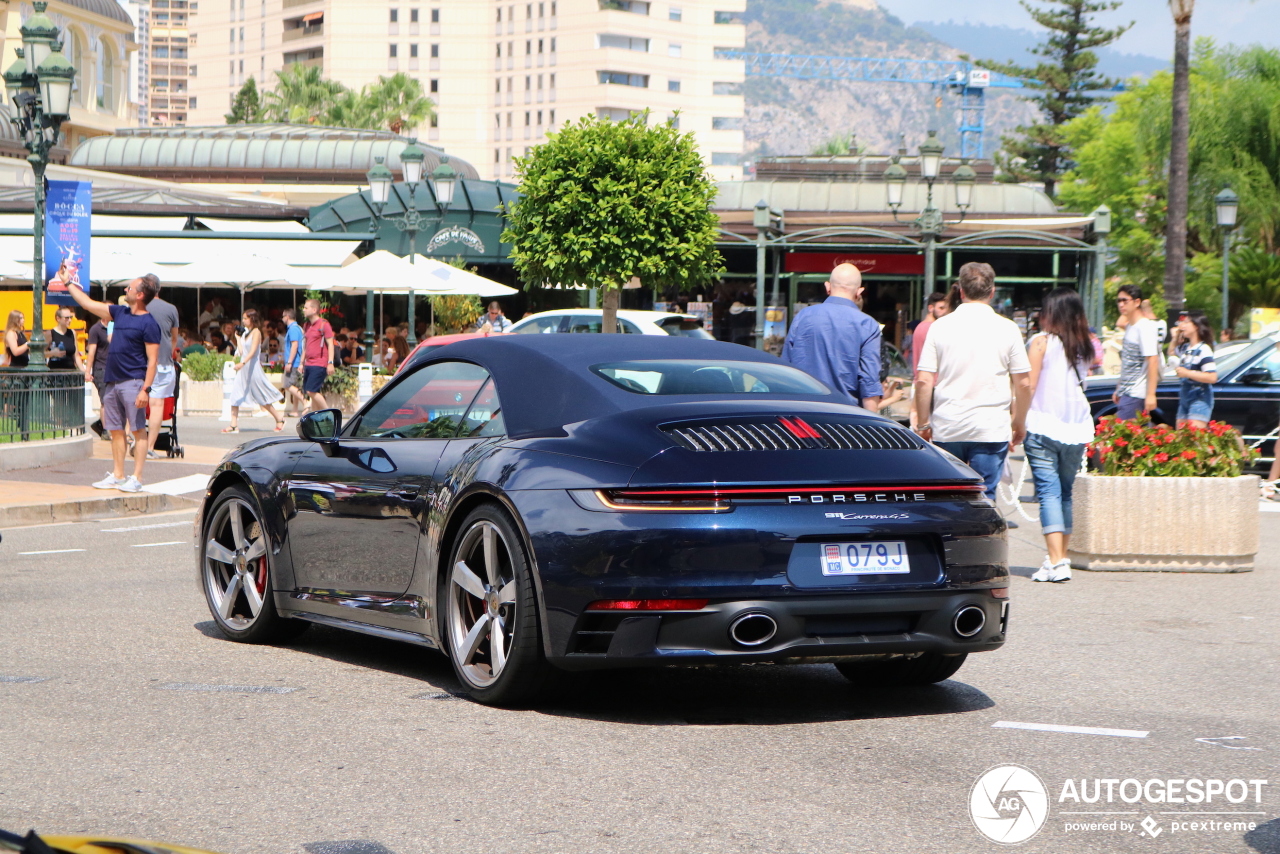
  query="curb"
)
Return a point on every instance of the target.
[
  {"x": 45, "y": 452},
  {"x": 93, "y": 508}
]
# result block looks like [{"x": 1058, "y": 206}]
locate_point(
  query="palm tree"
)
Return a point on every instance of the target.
[
  {"x": 301, "y": 95},
  {"x": 399, "y": 102},
  {"x": 1175, "y": 240},
  {"x": 352, "y": 110}
]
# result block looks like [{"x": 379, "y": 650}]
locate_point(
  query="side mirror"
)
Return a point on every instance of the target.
[
  {"x": 323, "y": 427},
  {"x": 1257, "y": 375}
]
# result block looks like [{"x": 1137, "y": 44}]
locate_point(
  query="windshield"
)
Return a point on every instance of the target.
[
  {"x": 685, "y": 327},
  {"x": 690, "y": 376},
  {"x": 1227, "y": 356}
]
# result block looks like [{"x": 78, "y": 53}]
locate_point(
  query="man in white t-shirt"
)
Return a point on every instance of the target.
[
  {"x": 973, "y": 381},
  {"x": 1139, "y": 357}
]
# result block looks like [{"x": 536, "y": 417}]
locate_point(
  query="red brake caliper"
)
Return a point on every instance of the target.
[{"x": 261, "y": 583}]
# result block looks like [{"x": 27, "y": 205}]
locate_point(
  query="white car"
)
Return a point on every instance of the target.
[{"x": 632, "y": 322}]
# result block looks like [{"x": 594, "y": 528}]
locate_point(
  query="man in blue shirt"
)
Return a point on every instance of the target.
[
  {"x": 131, "y": 370},
  {"x": 293, "y": 363},
  {"x": 837, "y": 342}
]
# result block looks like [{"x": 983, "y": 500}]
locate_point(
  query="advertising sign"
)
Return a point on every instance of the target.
[
  {"x": 1264, "y": 321},
  {"x": 869, "y": 264},
  {"x": 66, "y": 239}
]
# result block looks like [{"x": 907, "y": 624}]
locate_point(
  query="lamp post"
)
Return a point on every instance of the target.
[
  {"x": 1227, "y": 204},
  {"x": 1101, "y": 228},
  {"x": 39, "y": 84},
  {"x": 409, "y": 222},
  {"x": 929, "y": 223}
]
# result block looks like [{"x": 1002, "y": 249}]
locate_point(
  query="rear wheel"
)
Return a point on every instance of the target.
[
  {"x": 923, "y": 670},
  {"x": 491, "y": 613},
  {"x": 235, "y": 564}
]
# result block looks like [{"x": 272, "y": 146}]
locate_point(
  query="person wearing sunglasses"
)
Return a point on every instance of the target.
[
  {"x": 1139, "y": 357},
  {"x": 63, "y": 353}
]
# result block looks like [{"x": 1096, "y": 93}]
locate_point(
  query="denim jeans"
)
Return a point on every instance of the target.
[
  {"x": 986, "y": 458},
  {"x": 1053, "y": 468}
]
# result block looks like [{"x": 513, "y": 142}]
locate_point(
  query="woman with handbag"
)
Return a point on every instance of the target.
[{"x": 1059, "y": 423}]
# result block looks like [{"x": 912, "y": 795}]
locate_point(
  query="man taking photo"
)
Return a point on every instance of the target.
[{"x": 131, "y": 369}]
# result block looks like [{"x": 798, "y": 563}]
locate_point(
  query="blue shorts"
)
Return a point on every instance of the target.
[
  {"x": 1195, "y": 410},
  {"x": 1127, "y": 408},
  {"x": 313, "y": 377}
]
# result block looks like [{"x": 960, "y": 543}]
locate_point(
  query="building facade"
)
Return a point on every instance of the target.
[
  {"x": 502, "y": 74},
  {"x": 98, "y": 41}
]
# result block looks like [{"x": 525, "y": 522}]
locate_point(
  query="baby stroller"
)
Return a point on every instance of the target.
[{"x": 167, "y": 437}]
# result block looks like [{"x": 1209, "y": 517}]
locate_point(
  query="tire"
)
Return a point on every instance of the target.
[
  {"x": 236, "y": 572},
  {"x": 488, "y": 584},
  {"x": 924, "y": 670}
]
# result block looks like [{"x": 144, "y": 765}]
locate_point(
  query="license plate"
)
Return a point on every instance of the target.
[{"x": 880, "y": 557}]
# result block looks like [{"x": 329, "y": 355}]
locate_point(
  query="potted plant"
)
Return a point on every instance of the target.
[
  {"x": 1166, "y": 500},
  {"x": 201, "y": 392}
]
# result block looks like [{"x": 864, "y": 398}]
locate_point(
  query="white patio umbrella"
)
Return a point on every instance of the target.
[
  {"x": 244, "y": 272},
  {"x": 10, "y": 269},
  {"x": 445, "y": 280},
  {"x": 109, "y": 268}
]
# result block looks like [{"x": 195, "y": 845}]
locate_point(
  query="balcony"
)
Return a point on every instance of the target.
[
  {"x": 303, "y": 32},
  {"x": 289, "y": 4}
]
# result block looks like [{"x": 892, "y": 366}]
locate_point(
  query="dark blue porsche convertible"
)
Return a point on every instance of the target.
[{"x": 530, "y": 503}]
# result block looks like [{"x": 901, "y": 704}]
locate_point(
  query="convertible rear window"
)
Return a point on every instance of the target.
[{"x": 690, "y": 376}]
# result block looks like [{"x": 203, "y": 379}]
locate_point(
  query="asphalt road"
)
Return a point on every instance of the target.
[{"x": 123, "y": 712}]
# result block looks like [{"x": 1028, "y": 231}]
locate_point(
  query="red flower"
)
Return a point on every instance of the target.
[
  {"x": 1120, "y": 443},
  {"x": 1140, "y": 451},
  {"x": 1162, "y": 458},
  {"x": 1188, "y": 455}
]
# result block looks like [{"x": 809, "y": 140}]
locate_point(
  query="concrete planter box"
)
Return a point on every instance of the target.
[
  {"x": 1165, "y": 524},
  {"x": 204, "y": 398}
]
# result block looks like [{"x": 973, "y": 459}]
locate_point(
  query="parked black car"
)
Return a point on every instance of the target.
[
  {"x": 532, "y": 502},
  {"x": 1246, "y": 396}
]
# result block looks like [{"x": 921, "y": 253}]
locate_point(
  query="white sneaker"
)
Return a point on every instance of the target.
[
  {"x": 131, "y": 484},
  {"x": 1045, "y": 572},
  {"x": 109, "y": 482},
  {"x": 1061, "y": 571}
]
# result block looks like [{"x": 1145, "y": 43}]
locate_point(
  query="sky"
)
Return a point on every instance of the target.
[{"x": 1240, "y": 22}]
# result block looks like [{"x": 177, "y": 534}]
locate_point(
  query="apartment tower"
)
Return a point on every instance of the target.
[{"x": 502, "y": 74}]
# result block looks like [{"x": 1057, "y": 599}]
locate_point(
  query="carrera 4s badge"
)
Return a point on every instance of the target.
[{"x": 850, "y": 517}]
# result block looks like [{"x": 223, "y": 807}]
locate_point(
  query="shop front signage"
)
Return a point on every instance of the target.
[{"x": 869, "y": 264}]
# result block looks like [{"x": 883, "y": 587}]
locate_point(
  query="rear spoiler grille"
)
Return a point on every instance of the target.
[{"x": 791, "y": 434}]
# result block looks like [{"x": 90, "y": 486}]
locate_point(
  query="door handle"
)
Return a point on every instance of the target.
[{"x": 405, "y": 493}]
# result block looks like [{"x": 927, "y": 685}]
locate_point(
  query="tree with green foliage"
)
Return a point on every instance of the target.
[
  {"x": 1175, "y": 239},
  {"x": 246, "y": 109},
  {"x": 398, "y": 102},
  {"x": 301, "y": 95},
  {"x": 1122, "y": 155},
  {"x": 838, "y": 146},
  {"x": 1064, "y": 81},
  {"x": 604, "y": 204}
]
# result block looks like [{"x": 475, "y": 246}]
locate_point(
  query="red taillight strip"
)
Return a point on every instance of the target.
[
  {"x": 746, "y": 491},
  {"x": 799, "y": 428},
  {"x": 648, "y": 605}
]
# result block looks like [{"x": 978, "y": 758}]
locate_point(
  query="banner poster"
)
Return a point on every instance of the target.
[
  {"x": 66, "y": 239},
  {"x": 702, "y": 311},
  {"x": 1264, "y": 321}
]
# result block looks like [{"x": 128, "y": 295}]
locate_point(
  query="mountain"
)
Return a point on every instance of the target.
[
  {"x": 793, "y": 116},
  {"x": 1007, "y": 44}
]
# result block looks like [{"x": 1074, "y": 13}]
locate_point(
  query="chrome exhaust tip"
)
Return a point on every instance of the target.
[
  {"x": 968, "y": 621},
  {"x": 754, "y": 629}
]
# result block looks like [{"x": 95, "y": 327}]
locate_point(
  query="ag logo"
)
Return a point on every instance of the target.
[{"x": 1009, "y": 804}]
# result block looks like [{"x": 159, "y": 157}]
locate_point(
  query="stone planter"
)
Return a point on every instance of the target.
[
  {"x": 1165, "y": 524},
  {"x": 200, "y": 398}
]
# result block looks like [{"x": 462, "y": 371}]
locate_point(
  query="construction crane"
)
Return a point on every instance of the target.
[{"x": 962, "y": 78}]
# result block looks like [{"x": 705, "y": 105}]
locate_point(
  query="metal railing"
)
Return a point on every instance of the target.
[{"x": 38, "y": 405}]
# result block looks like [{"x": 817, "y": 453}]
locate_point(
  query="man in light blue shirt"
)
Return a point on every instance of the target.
[
  {"x": 837, "y": 342},
  {"x": 293, "y": 362}
]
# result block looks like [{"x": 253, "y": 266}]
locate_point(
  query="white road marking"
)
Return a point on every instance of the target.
[
  {"x": 1080, "y": 730},
  {"x": 179, "y": 485},
  {"x": 145, "y": 527},
  {"x": 1217, "y": 739},
  {"x": 226, "y": 689},
  {"x": 149, "y": 545},
  {"x": 1104, "y": 812},
  {"x": 52, "y": 552},
  {"x": 1210, "y": 813}
]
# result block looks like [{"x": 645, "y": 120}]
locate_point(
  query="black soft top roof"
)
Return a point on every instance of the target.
[{"x": 545, "y": 381}]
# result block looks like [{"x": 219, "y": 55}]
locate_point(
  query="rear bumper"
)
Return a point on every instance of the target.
[{"x": 808, "y": 629}]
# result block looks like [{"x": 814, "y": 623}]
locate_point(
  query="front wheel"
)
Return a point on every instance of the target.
[
  {"x": 923, "y": 670},
  {"x": 491, "y": 613},
  {"x": 235, "y": 570}
]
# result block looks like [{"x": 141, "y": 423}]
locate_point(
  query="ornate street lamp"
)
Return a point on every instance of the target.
[
  {"x": 443, "y": 178},
  {"x": 1228, "y": 205},
  {"x": 39, "y": 85},
  {"x": 409, "y": 222},
  {"x": 929, "y": 223}
]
